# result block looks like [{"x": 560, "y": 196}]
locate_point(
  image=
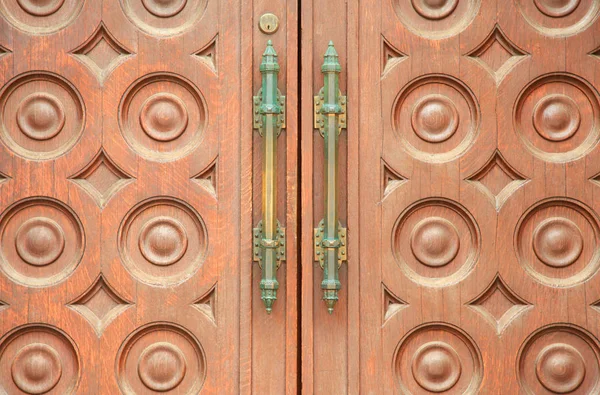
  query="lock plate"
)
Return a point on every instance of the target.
[{"x": 268, "y": 23}]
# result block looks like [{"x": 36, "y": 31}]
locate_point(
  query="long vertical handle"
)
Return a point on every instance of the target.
[
  {"x": 330, "y": 236},
  {"x": 269, "y": 119}
]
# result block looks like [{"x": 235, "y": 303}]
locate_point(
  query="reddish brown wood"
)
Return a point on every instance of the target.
[
  {"x": 471, "y": 198},
  {"x": 127, "y": 200}
]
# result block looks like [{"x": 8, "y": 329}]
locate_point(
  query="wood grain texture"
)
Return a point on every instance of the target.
[
  {"x": 472, "y": 207},
  {"x": 126, "y": 199}
]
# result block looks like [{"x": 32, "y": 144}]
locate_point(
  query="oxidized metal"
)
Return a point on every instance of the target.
[
  {"x": 268, "y": 23},
  {"x": 330, "y": 236},
  {"x": 269, "y": 119}
]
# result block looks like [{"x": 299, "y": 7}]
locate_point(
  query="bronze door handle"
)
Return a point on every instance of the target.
[
  {"x": 269, "y": 119},
  {"x": 330, "y": 119}
]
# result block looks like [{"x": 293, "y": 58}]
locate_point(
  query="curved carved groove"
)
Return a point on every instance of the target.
[
  {"x": 208, "y": 55},
  {"x": 102, "y": 53},
  {"x": 4, "y": 178},
  {"x": 4, "y": 51},
  {"x": 595, "y": 179},
  {"x": 392, "y": 304},
  {"x": 207, "y": 178},
  {"x": 102, "y": 178},
  {"x": 391, "y": 56},
  {"x": 497, "y": 180},
  {"x": 499, "y": 305},
  {"x": 497, "y": 54},
  {"x": 390, "y": 179},
  {"x": 207, "y": 304},
  {"x": 596, "y": 306}
]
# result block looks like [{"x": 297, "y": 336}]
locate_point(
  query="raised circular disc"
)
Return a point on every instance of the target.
[
  {"x": 36, "y": 368},
  {"x": 161, "y": 357},
  {"x": 557, "y": 242},
  {"x": 434, "y": 118},
  {"x": 41, "y": 7},
  {"x": 161, "y": 366},
  {"x": 434, "y": 9},
  {"x": 557, "y": 8},
  {"x": 164, "y": 8},
  {"x": 556, "y": 117},
  {"x": 436, "y": 366},
  {"x": 434, "y": 241},
  {"x": 41, "y": 116},
  {"x": 40, "y": 241},
  {"x": 560, "y": 368},
  {"x": 163, "y": 241},
  {"x": 163, "y": 117}
]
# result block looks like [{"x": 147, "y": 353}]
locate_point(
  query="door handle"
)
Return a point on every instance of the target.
[
  {"x": 269, "y": 119},
  {"x": 330, "y": 119}
]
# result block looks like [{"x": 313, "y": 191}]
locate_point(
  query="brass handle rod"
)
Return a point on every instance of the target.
[
  {"x": 269, "y": 237},
  {"x": 330, "y": 237}
]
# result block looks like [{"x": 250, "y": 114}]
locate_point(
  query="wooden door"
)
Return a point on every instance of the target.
[
  {"x": 128, "y": 194},
  {"x": 470, "y": 192}
]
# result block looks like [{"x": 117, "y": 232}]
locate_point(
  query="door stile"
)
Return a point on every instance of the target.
[
  {"x": 306, "y": 198},
  {"x": 330, "y": 343},
  {"x": 246, "y": 191},
  {"x": 272, "y": 365},
  {"x": 292, "y": 166},
  {"x": 370, "y": 214}
]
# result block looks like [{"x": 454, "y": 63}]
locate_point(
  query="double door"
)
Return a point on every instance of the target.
[{"x": 274, "y": 197}]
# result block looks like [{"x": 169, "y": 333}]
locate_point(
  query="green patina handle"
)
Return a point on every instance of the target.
[
  {"x": 269, "y": 119},
  {"x": 330, "y": 119}
]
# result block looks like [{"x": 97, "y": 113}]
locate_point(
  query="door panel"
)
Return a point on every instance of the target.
[
  {"x": 471, "y": 199},
  {"x": 127, "y": 177}
]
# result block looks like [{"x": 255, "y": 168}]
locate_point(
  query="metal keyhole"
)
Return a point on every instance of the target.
[{"x": 268, "y": 23}]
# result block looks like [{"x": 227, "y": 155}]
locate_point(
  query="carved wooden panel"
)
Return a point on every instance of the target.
[
  {"x": 125, "y": 216},
  {"x": 472, "y": 199},
  {"x": 489, "y": 112}
]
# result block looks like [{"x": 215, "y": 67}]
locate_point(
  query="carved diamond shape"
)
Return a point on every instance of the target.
[
  {"x": 499, "y": 304},
  {"x": 102, "y": 178},
  {"x": 497, "y": 54},
  {"x": 207, "y": 178},
  {"x": 497, "y": 180},
  {"x": 391, "y": 56},
  {"x": 3, "y": 305},
  {"x": 101, "y": 53},
  {"x": 595, "y": 53},
  {"x": 206, "y": 304},
  {"x": 596, "y": 306},
  {"x": 391, "y": 304},
  {"x": 208, "y": 54},
  {"x": 99, "y": 305}
]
